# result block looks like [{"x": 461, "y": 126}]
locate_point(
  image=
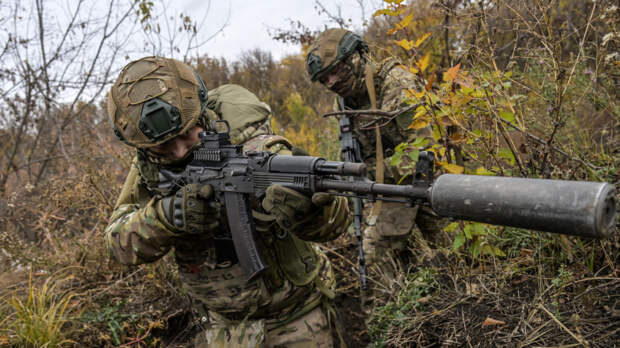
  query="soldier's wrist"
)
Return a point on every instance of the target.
[{"x": 165, "y": 212}]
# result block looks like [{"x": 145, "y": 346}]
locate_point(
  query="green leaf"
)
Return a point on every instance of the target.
[
  {"x": 451, "y": 227},
  {"x": 507, "y": 115},
  {"x": 475, "y": 248},
  {"x": 413, "y": 155},
  {"x": 396, "y": 159},
  {"x": 506, "y": 154},
  {"x": 474, "y": 229},
  {"x": 401, "y": 147},
  {"x": 478, "y": 93},
  {"x": 467, "y": 231},
  {"x": 487, "y": 250},
  {"x": 478, "y": 229},
  {"x": 420, "y": 142},
  {"x": 459, "y": 241}
]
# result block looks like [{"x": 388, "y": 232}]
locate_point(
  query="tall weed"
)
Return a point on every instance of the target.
[{"x": 42, "y": 319}]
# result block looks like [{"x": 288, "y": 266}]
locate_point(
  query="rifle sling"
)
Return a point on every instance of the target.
[{"x": 379, "y": 170}]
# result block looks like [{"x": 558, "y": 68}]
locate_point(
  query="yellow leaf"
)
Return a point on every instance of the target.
[
  {"x": 412, "y": 94},
  {"x": 419, "y": 123},
  {"x": 490, "y": 321},
  {"x": 404, "y": 43},
  {"x": 419, "y": 41},
  {"x": 483, "y": 171},
  {"x": 381, "y": 12},
  {"x": 412, "y": 69},
  {"x": 423, "y": 63},
  {"x": 451, "y": 73},
  {"x": 420, "y": 113},
  {"x": 405, "y": 22},
  {"x": 459, "y": 100},
  {"x": 451, "y": 168}
]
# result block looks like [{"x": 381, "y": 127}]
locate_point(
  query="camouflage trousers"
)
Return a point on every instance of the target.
[
  {"x": 311, "y": 330},
  {"x": 387, "y": 235}
]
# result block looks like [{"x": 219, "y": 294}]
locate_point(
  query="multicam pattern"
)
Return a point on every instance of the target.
[
  {"x": 391, "y": 82},
  {"x": 298, "y": 280},
  {"x": 389, "y": 232},
  {"x": 144, "y": 80},
  {"x": 312, "y": 330}
]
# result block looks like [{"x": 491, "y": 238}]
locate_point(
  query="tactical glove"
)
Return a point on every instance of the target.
[
  {"x": 292, "y": 209},
  {"x": 189, "y": 210}
]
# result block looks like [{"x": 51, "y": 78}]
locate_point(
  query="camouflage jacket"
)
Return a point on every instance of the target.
[
  {"x": 298, "y": 277},
  {"x": 390, "y": 82}
]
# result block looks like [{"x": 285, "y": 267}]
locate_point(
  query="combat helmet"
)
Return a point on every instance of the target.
[
  {"x": 329, "y": 48},
  {"x": 155, "y": 99}
]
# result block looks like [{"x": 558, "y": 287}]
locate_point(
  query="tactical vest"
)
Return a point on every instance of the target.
[{"x": 392, "y": 133}]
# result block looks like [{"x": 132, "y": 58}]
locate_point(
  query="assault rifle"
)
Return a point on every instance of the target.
[
  {"x": 579, "y": 208},
  {"x": 351, "y": 152}
]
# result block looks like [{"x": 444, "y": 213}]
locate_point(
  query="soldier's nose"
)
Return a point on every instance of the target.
[
  {"x": 179, "y": 149},
  {"x": 332, "y": 79}
]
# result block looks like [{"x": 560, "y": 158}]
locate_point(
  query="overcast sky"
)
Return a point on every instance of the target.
[{"x": 250, "y": 20}]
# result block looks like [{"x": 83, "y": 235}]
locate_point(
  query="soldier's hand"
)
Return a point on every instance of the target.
[
  {"x": 291, "y": 208},
  {"x": 191, "y": 209}
]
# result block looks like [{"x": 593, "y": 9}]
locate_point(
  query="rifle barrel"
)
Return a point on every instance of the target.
[{"x": 580, "y": 208}]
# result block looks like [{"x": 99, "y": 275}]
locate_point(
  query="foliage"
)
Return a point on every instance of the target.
[
  {"x": 314, "y": 135},
  {"x": 520, "y": 88},
  {"x": 394, "y": 315},
  {"x": 45, "y": 318},
  {"x": 509, "y": 118}
]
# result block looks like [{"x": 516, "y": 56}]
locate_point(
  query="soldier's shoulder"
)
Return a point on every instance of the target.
[
  {"x": 388, "y": 64},
  {"x": 396, "y": 76},
  {"x": 267, "y": 142}
]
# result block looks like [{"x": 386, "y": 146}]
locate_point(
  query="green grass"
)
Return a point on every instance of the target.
[{"x": 41, "y": 319}]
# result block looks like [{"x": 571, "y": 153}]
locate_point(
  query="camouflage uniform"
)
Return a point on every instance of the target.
[
  {"x": 285, "y": 306},
  {"x": 389, "y": 232}
]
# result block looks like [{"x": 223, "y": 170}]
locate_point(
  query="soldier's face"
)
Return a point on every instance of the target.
[
  {"x": 177, "y": 147},
  {"x": 330, "y": 79},
  {"x": 340, "y": 80}
]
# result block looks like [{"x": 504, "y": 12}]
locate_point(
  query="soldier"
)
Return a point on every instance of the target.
[
  {"x": 159, "y": 106},
  {"x": 339, "y": 60}
]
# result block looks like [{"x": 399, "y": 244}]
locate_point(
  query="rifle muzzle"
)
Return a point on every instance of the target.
[{"x": 580, "y": 208}]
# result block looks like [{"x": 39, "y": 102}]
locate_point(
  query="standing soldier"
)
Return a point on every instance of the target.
[
  {"x": 339, "y": 60},
  {"x": 159, "y": 106}
]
